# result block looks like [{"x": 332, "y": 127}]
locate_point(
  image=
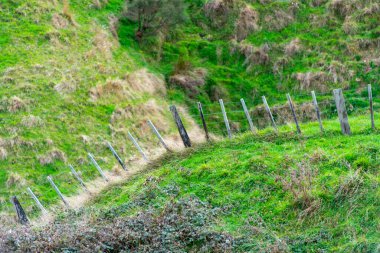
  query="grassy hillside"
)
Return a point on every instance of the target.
[
  {"x": 73, "y": 75},
  {"x": 265, "y": 193}
]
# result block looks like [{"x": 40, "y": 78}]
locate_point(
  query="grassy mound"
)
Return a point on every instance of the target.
[{"x": 265, "y": 193}]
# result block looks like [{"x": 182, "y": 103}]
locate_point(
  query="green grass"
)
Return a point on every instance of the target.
[{"x": 239, "y": 176}]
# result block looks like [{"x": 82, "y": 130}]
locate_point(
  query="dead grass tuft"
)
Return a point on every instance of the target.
[
  {"x": 349, "y": 185},
  {"x": 67, "y": 13},
  {"x": 247, "y": 22},
  {"x": 52, "y": 156},
  {"x": 102, "y": 44},
  {"x": 253, "y": 55},
  {"x": 313, "y": 81},
  {"x": 218, "y": 11},
  {"x": 98, "y": 4},
  {"x": 3, "y": 153},
  {"x": 144, "y": 81},
  {"x": 350, "y": 26},
  {"x": 13, "y": 104},
  {"x": 278, "y": 20},
  {"x": 190, "y": 81},
  {"x": 113, "y": 22},
  {"x": 65, "y": 87},
  {"x": 59, "y": 21},
  {"x": 300, "y": 185},
  {"x": 31, "y": 121},
  {"x": 14, "y": 179},
  {"x": 294, "y": 47}
]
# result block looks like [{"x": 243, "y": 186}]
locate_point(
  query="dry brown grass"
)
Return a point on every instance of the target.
[
  {"x": 31, "y": 121},
  {"x": 278, "y": 20},
  {"x": 253, "y": 55},
  {"x": 247, "y": 22},
  {"x": 313, "y": 81},
  {"x": 59, "y": 21},
  {"x": 3, "y": 153},
  {"x": 98, "y": 4},
  {"x": 67, "y": 13},
  {"x": 350, "y": 26},
  {"x": 52, "y": 156},
  {"x": 300, "y": 184},
  {"x": 190, "y": 81},
  {"x": 13, "y": 104},
  {"x": 294, "y": 47},
  {"x": 349, "y": 185},
  {"x": 113, "y": 22},
  {"x": 144, "y": 81},
  {"x": 14, "y": 179},
  {"x": 218, "y": 11}
]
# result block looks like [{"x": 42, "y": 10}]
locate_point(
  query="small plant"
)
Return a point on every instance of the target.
[{"x": 301, "y": 184}]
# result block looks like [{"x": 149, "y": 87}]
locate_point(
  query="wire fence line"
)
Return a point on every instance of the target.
[{"x": 283, "y": 115}]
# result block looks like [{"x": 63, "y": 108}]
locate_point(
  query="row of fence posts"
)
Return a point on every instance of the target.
[{"x": 340, "y": 106}]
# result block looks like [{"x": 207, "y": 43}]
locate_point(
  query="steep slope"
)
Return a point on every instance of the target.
[
  {"x": 265, "y": 193},
  {"x": 66, "y": 86}
]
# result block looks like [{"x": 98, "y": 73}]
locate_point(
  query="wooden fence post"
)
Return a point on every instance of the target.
[
  {"x": 21, "y": 215},
  {"x": 97, "y": 166},
  {"x": 138, "y": 146},
  {"x": 317, "y": 110},
  {"x": 267, "y": 108},
  {"x": 40, "y": 206},
  {"x": 57, "y": 191},
  {"x": 342, "y": 112},
  {"x": 371, "y": 106},
  {"x": 293, "y": 112},
  {"x": 225, "y": 118},
  {"x": 155, "y": 131},
  {"x": 120, "y": 161},
  {"x": 181, "y": 129},
  {"x": 200, "y": 109},
  {"x": 76, "y": 175},
  {"x": 246, "y": 112}
]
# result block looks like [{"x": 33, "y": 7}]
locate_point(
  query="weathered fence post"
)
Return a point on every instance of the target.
[
  {"x": 137, "y": 146},
  {"x": 76, "y": 175},
  {"x": 155, "y": 131},
  {"x": 57, "y": 191},
  {"x": 120, "y": 161},
  {"x": 40, "y": 206},
  {"x": 97, "y": 166},
  {"x": 200, "y": 109},
  {"x": 293, "y": 112},
  {"x": 225, "y": 118},
  {"x": 267, "y": 108},
  {"x": 246, "y": 112},
  {"x": 181, "y": 129},
  {"x": 21, "y": 215},
  {"x": 342, "y": 112},
  {"x": 317, "y": 110},
  {"x": 371, "y": 106}
]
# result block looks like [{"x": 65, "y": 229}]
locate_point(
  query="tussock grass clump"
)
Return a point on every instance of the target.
[
  {"x": 278, "y": 20},
  {"x": 31, "y": 121},
  {"x": 3, "y": 153},
  {"x": 190, "y": 81},
  {"x": 52, "y": 156},
  {"x": 218, "y": 11},
  {"x": 301, "y": 185},
  {"x": 349, "y": 185},
  {"x": 15, "y": 179},
  {"x": 13, "y": 104},
  {"x": 247, "y": 22},
  {"x": 98, "y": 4},
  {"x": 59, "y": 21},
  {"x": 293, "y": 47}
]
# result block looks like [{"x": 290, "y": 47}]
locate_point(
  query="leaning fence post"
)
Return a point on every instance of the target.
[
  {"x": 40, "y": 206},
  {"x": 138, "y": 146},
  {"x": 317, "y": 110},
  {"x": 200, "y": 109},
  {"x": 342, "y": 112},
  {"x": 293, "y": 112},
  {"x": 155, "y": 131},
  {"x": 225, "y": 118},
  {"x": 76, "y": 175},
  {"x": 267, "y": 108},
  {"x": 122, "y": 164},
  {"x": 371, "y": 106},
  {"x": 246, "y": 112},
  {"x": 57, "y": 191},
  {"x": 181, "y": 129},
  {"x": 21, "y": 215},
  {"x": 97, "y": 166}
]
